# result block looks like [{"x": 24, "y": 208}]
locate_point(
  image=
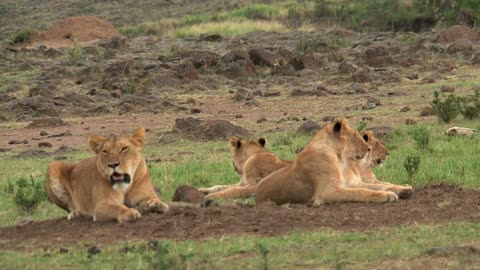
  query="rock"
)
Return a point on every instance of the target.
[
  {"x": 382, "y": 132},
  {"x": 45, "y": 145},
  {"x": 347, "y": 67},
  {"x": 446, "y": 88},
  {"x": 476, "y": 59},
  {"x": 33, "y": 153},
  {"x": 460, "y": 131},
  {"x": 426, "y": 111},
  {"x": 127, "y": 107},
  {"x": 283, "y": 70},
  {"x": 405, "y": 109},
  {"x": 47, "y": 122},
  {"x": 204, "y": 59},
  {"x": 65, "y": 149},
  {"x": 457, "y": 32},
  {"x": 361, "y": 76},
  {"x": 428, "y": 80},
  {"x": 188, "y": 194},
  {"x": 378, "y": 56},
  {"x": 413, "y": 76},
  {"x": 18, "y": 142},
  {"x": 43, "y": 133},
  {"x": 410, "y": 122},
  {"x": 373, "y": 100},
  {"x": 116, "y": 93},
  {"x": 357, "y": 88},
  {"x": 242, "y": 94},
  {"x": 271, "y": 94},
  {"x": 237, "y": 69},
  {"x": 93, "y": 251},
  {"x": 195, "y": 111},
  {"x": 235, "y": 55},
  {"x": 263, "y": 57},
  {"x": 301, "y": 62},
  {"x": 328, "y": 118},
  {"x": 198, "y": 129},
  {"x": 306, "y": 72},
  {"x": 461, "y": 45},
  {"x": 261, "y": 120},
  {"x": 211, "y": 37},
  {"x": 308, "y": 127},
  {"x": 186, "y": 71}
]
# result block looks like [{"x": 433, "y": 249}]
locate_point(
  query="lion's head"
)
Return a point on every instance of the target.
[
  {"x": 348, "y": 139},
  {"x": 118, "y": 156},
  {"x": 242, "y": 150},
  {"x": 378, "y": 152}
]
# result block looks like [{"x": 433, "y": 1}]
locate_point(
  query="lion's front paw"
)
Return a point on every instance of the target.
[
  {"x": 155, "y": 205},
  {"x": 405, "y": 192},
  {"x": 73, "y": 214},
  {"x": 391, "y": 196},
  {"x": 130, "y": 215}
]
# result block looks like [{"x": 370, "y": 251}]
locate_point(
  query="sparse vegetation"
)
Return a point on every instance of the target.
[
  {"x": 75, "y": 55},
  {"x": 471, "y": 106},
  {"x": 421, "y": 135},
  {"x": 412, "y": 165},
  {"x": 23, "y": 36},
  {"x": 27, "y": 194},
  {"x": 447, "y": 109}
]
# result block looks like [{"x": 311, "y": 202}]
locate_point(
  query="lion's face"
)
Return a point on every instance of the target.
[
  {"x": 378, "y": 152},
  {"x": 118, "y": 157},
  {"x": 354, "y": 145},
  {"x": 242, "y": 150}
]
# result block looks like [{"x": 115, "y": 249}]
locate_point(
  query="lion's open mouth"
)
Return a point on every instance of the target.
[{"x": 116, "y": 178}]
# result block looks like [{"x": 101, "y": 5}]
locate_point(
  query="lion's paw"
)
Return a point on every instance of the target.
[
  {"x": 73, "y": 214},
  {"x": 391, "y": 196},
  {"x": 156, "y": 206},
  {"x": 131, "y": 215}
]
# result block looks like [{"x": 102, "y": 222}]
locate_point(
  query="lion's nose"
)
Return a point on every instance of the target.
[{"x": 113, "y": 165}]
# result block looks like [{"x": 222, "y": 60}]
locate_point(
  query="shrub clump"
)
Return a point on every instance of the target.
[
  {"x": 27, "y": 194},
  {"x": 448, "y": 109}
]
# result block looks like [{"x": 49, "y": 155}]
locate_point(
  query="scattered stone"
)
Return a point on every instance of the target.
[
  {"x": 45, "y": 145},
  {"x": 428, "y": 80},
  {"x": 446, "y": 88},
  {"x": 188, "y": 194},
  {"x": 367, "y": 118},
  {"x": 357, "y": 88},
  {"x": 413, "y": 76},
  {"x": 460, "y": 131},
  {"x": 43, "y": 133},
  {"x": 116, "y": 93},
  {"x": 308, "y": 127},
  {"x": 271, "y": 94},
  {"x": 238, "y": 116},
  {"x": 373, "y": 102},
  {"x": 410, "y": 121},
  {"x": 211, "y": 37},
  {"x": 361, "y": 76},
  {"x": 378, "y": 56},
  {"x": 195, "y": 111},
  {"x": 65, "y": 149},
  {"x": 47, "y": 122},
  {"x": 93, "y": 251},
  {"x": 263, "y": 57},
  {"x": 63, "y": 134},
  {"x": 328, "y": 118},
  {"x": 242, "y": 94},
  {"x": 382, "y": 132},
  {"x": 405, "y": 109},
  {"x": 347, "y": 67},
  {"x": 23, "y": 221},
  {"x": 426, "y": 111},
  {"x": 33, "y": 153},
  {"x": 198, "y": 129},
  {"x": 127, "y": 107},
  {"x": 18, "y": 142},
  {"x": 457, "y": 32},
  {"x": 186, "y": 71},
  {"x": 261, "y": 120},
  {"x": 63, "y": 250},
  {"x": 476, "y": 59}
]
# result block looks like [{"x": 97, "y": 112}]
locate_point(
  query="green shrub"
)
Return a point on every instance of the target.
[
  {"x": 27, "y": 194},
  {"x": 264, "y": 253},
  {"x": 446, "y": 110},
  {"x": 471, "y": 106},
  {"x": 24, "y": 35},
  {"x": 411, "y": 165},
  {"x": 421, "y": 135},
  {"x": 75, "y": 55},
  {"x": 165, "y": 257}
]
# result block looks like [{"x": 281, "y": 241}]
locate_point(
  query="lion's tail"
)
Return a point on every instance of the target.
[{"x": 233, "y": 192}]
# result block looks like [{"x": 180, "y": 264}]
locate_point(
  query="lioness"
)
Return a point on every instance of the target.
[
  {"x": 359, "y": 173},
  {"x": 253, "y": 162},
  {"x": 115, "y": 184},
  {"x": 316, "y": 175}
]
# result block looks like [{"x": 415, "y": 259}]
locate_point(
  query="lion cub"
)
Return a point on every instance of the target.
[
  {"x": 253, "y": 162},
  {"x": 317, "y": 174},
  {"x": 113, "y": 185}
]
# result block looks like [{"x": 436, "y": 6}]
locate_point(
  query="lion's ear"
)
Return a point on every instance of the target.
[
  {"x": 95, "y": 141},
  {"x": 235, "y": 142},
  {"x": 262, "y": 141},
  {"x": 339, "y": 125},
  {"x": 365, "y": 136},
  {"x": 138, "y": 139}
]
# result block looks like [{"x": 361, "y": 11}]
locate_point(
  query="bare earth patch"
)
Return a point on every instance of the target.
[{"x": 434, "y": 204}]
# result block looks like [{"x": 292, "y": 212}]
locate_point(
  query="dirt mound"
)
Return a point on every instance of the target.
[
  {"x": 428, "y": 205},
  {"x": 82, "y": 29},
  {"x": 198, "y": 129},
  {"x": 457, "y": 32}
]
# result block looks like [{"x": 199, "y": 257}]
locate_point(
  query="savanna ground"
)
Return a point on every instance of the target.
[{"x": 197, "y": 61}]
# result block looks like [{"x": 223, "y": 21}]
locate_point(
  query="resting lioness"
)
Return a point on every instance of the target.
[
  {"x": 253, "y": 162},
  {"x": 115, "y": 184},
  {"x": 316, "y": 175},
  {"x": 360, "y": 173}
]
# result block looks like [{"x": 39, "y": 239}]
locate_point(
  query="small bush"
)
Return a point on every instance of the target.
[
  {"x": 421, "y": 135},
  {"x": 166, "y": 258},
  {"x": 412, "y": 165},
  {"x": 75, "y": 55},
  {"x": 361, "y": 126},
  {"x": 471, "y": 106},
  {"x": 264, "y": 253},
  {"x": 448, "y": 109},
  {"x": 22, "y": 36},
  {"x": 27, "y": 194}
]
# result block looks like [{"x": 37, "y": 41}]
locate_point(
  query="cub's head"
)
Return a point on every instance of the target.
[
  {"x": 242, "y": 150},
  {"x": 118, "y": 156},
  {"x": 348, "y": 139},
  {"x": 378, "y": 152}
]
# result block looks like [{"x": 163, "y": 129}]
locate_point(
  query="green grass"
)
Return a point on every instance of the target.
[{"x": 299, "y": 250}]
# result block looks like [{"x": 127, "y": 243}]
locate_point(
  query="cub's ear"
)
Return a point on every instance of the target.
[
  {"x": 235, "y": 142},
  {"x": 262, "y": 141},
  {"x": 138, "y": 139},
  {"x": 95, "y": 141},
  {"x": 339, "y": 124},
  {"x": 365, "y": 136}
]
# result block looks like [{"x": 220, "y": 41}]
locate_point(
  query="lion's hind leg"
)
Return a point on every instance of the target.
[
  {"x": 217, "y": 188},
  {"x": 234, "y": 192},
  {"x": 58, "y": 183}
]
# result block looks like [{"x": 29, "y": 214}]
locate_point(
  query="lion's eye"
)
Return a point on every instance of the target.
[{"x": 124, "y": 149}]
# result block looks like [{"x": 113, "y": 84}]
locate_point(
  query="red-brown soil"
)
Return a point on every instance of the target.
[
  {"x": 434, "y": 204},
  {"x": 81, "y": 29}
]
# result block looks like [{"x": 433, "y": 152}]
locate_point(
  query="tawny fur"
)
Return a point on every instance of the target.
[
  {"x": 317, "y": 174},
  {"x": 253, "y": 162},
  {"x": 360, "y": 173},
  {"x": 85, "y": 189}
]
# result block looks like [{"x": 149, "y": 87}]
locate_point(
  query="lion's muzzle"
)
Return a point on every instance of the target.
[{"x": 117, "y": 178}]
